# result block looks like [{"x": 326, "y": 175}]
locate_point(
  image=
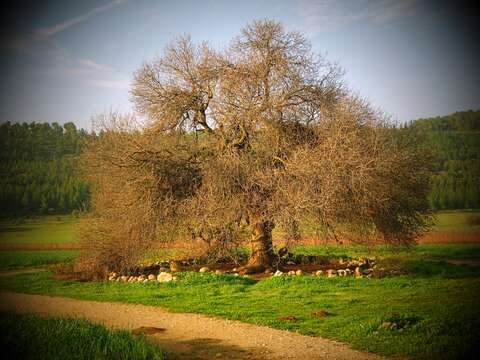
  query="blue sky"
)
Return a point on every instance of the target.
[{"x": 70, "y": 60}]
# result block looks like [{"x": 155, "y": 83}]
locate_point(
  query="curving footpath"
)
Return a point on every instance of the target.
[{"x": 190, "y": 336}]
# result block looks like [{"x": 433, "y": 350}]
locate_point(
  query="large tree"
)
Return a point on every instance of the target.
[{"x": 262, "y": 134}]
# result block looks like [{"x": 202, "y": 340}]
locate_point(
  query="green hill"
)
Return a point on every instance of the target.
[
  {"x": 455, "y": 143},
  {"x": 38, "y": 169}
]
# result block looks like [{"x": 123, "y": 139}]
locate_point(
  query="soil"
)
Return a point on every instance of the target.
[{"x": 189, "y": 336}]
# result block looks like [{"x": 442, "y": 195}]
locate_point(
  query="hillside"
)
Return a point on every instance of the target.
[
  {"x": 455, "y": 143},
  {"x": 38, "y": 169}
]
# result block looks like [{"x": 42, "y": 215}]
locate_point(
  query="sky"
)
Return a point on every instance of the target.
[{"x": 68, "y": 60}]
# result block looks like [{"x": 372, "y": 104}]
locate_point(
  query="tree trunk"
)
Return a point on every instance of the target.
[{"x": 262, "y": 255}]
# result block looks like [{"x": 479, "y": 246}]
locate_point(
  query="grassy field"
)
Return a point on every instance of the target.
[
  {"x": 19, "y": 259},
  {"x": 34, "y": 337},
  {"x": 419, "y": 252},
  {"x": 436, "y": 303},
  {"x": 457, "y": 220},
  {"x": 23, "y": 234},
  {"x": 41, "y": 230},
  {"x": 60, "y": 229}
]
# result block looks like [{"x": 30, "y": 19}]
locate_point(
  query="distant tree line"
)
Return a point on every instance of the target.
[
  {"x": 38, "y": 169},
  {"x": 455, "y": 143}
]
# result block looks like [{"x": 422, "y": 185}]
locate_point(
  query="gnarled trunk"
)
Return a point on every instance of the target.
[{"x": 262, "y": 255}]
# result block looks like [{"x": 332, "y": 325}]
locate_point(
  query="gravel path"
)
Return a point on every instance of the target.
[{"x": 189, "y": 336}]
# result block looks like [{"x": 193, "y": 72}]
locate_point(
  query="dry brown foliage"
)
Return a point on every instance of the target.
[{"x": 260, "y": 135}]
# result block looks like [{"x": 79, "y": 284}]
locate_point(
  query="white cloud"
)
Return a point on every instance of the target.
[
  {"x": 93, "y": 65},
  {"x": 110, "y": 84},
  {"x": 322, "y": 15},
  {"x": 62, "y": 26}
]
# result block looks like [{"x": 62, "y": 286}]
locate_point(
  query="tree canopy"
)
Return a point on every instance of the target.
[{"x": 263, "y": 134}]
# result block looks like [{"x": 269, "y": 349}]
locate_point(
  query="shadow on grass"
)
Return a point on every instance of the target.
[
  {"x": 443, "y": 269},
  {"x": 205, "y": 348}
]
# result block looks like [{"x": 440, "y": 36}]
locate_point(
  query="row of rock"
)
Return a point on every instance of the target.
[
  {"x": 162, "y": 277},
  {"x": 358, "y": 272},
  {"x": 165, "y": 276}
]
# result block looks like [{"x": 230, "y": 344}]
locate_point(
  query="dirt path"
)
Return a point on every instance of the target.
[{"x": 190, "y": 336}]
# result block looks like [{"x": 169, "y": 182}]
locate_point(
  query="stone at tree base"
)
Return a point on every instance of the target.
[
  {"x": 331, "y": 273},
  {"x": 151, "y": 277},
  {"x": 319, "y": 273},
  {"x": 278, "y": 273},
  {"x": 204, "y": 269},
  {"x": 175, "y": 266},
  {"x": 341, "y": 273},
  {"x": 299, "y": 272},
  {"x": 164, "y": 277},
  {"x": 123, "y": 278},
  {"x": 358, "y": 272},
  {"x": 291, "y": 272}
]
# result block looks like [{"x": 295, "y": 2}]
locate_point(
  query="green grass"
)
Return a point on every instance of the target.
[
  {"x": 19, "y": 259},
  {"x": 60, "y": 229},
  {"x": 438, "y": 302},
  {"x": 40, "y": 230},
  {"x": 430, "y": 251},
  {"x": 441, "y": 307},
  {"x": 33, "y": 337},
  {"x": 455, "y": 220}
]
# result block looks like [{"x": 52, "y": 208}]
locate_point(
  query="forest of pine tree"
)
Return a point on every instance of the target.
[
  {"x": 455, "y": 143},
  {"x": 38, "y": 165},
  {"x": 38, "y": 169}
]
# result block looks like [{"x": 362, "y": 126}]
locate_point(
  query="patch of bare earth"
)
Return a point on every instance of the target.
[
  {"x": 451, "y": 237},
  {"x": 189, "y": 336}
]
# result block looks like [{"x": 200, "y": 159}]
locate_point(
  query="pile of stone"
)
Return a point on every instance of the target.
[
  {"x": 298, "y": 272},
  {"x": 162, "y": 277},
  {"x": 358, "y": 272}
]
